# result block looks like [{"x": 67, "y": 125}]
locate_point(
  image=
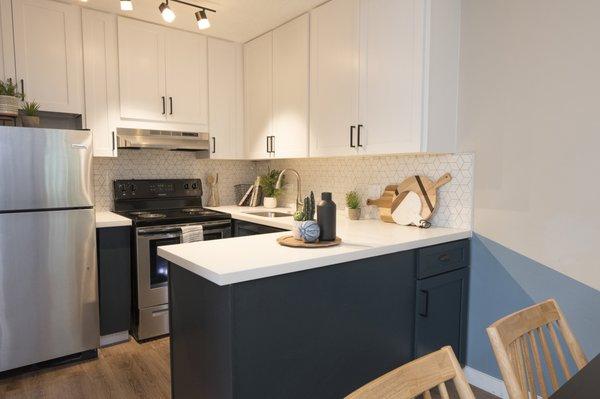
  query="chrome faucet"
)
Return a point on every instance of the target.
[{"x": 298, "y": 185}]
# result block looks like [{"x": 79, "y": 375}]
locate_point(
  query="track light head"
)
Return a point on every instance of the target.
[
  {"x": 202, "y": 20},
  {"x": 167, "y": 14},
  {"x": 126, "y": 5}
]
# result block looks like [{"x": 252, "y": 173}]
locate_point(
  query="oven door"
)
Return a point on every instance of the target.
[{"x": 152, "y": 270}]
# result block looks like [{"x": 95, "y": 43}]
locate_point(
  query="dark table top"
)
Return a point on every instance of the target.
[{"x": 583, "y": 385}]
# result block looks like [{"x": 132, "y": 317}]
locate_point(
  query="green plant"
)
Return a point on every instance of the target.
[
  {"x": 31, "y": 108},
  {"x": 269, "y": 181},
  {"x": 309, "y": 207},
  {"x": 8, "y": 89},
  {"x": 352, "y": 200},
  {"x": 299, "y": 216}
]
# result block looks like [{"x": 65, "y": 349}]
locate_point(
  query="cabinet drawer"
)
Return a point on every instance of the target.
[{"x": 442, "y": 258}]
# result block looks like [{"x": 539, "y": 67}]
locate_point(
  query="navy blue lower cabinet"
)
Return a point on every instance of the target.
[
  {"x": 441, "y": 313},
  {"x": 114, "y": 278},
  {"x": 242, "y": 228}
]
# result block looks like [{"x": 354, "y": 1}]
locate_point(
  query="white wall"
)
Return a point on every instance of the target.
[{"x": 530, "y": 110}]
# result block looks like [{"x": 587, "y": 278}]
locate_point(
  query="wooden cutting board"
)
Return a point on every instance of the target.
[
  {"x": 425, "y": 189},
  {"x": 385, "y": 202}
]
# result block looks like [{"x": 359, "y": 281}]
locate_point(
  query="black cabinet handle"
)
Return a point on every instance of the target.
[
  {"x": 171, "y": 105},
  {"x": 352, "y": 136},
  {"x": 164, "y": 105},
  {"x": 268, "y": 152},
  {"x": 113, "y": 140},
  {"x": 423, "y": 303},
  {"x": 22, "y": 90},
  {"x": 272, "y": 145},
  {"x": 444, "y": 258},
  {"x": 358, "y": 135},
  {"x": 214, "y": 145}
]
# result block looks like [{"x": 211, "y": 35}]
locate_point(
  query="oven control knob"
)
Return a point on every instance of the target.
[
  {"x": 132, "y": 187},
  {"x": 195, "y": 186},
  {"x": 186, "y": 186}
]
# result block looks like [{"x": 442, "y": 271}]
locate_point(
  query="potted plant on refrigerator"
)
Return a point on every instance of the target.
[
  {"x": 9, "y": 99},
  {"x": 268, "y": 184},
  {"x": 31, "y": 117},
  {"x": 353, "y": 205}
]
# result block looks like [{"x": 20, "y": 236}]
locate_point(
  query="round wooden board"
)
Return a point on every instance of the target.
[{"x": 290, "y": 241}]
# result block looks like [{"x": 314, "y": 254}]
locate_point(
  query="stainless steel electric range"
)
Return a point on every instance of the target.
[{"x": 158, "y": 209}]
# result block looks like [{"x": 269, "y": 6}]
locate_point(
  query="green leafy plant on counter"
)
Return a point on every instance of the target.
[
  {"x": 299, "y": 216},
  {"x": 352, "y": 200},
  {"x": 308, "y": 209},
  {"x": 31, "y": 108},
  {"x": 8, "y": 89},
  {"x": 269, "y": 181}
]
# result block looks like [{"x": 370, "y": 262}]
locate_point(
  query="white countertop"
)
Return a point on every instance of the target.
[
  {"x": 239, "y": 259},
  {"x": 110, "y": 219}
]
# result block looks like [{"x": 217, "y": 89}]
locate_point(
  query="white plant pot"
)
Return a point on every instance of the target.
[
  {"x": 353, "y": 214},
  {"x": 9, "y": 105},
  {"x": 270, "y": 202},
  {"x": 296, "y": 229}
]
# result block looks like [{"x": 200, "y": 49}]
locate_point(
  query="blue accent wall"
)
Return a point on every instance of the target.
[{"x": 503, "y": 281}]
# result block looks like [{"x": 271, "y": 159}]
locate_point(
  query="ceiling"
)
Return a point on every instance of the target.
[{"x": 236, "y": 20}]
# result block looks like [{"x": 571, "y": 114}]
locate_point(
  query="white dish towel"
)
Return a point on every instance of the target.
[{"x": 192, "y": 233}]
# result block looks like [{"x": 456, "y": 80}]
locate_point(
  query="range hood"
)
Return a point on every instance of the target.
[{"x": 162, "y": 139}]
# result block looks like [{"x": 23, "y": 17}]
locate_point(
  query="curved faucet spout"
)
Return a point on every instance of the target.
[{"x": 298, "y": 185}]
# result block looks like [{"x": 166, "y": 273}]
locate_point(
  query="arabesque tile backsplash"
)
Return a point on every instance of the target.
[{"x": 366, "y": 175}]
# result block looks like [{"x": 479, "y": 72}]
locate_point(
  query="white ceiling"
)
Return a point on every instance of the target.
[{"x": 236, "y": 20}]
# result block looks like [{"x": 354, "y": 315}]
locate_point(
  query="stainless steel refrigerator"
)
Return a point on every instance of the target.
[{"x": 48, "y": 277}]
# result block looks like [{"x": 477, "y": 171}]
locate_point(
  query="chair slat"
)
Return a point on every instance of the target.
[
  {"x": 426, "y": 395},
  {"x": 559, "y": 352},
  {"x": 519, "y": 364},
  {"x": 443, "y": 391},
  {"x": 538, "y": 364},
  {"x": 548, "y": 358},
  {"x": 528, "y": 370}
]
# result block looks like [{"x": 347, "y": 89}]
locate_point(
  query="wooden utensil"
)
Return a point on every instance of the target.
[
  {"x": 409, "y": 210},
  {"x": 425, "y": 189},
  {"x": 385, "y": 202}
]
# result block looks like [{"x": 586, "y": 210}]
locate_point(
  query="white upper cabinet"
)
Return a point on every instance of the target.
[
  {"x": 162, "y": 76},
  {"x": 334, "y": 78},
  {"x": 226, "y": 101},
  {"x": 186, "y": 79},
  {"x": 258, "y": 80},
  {"x": 142, "y": 70},
  {"x": 384, "y": 76},
  {"x": 49, "y": 65},
  {"x": 7, "y": 55},
  {"x": 290, "y": 89},
  {"x": 276, "y": 81},
  {"x": 101, "y": 69},
  {"x": 391, "y": 76}
]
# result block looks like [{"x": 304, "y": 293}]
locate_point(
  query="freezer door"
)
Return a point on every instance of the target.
[
  {"x": 45, "y": 168},
  {"x": 48, "y": 286}
]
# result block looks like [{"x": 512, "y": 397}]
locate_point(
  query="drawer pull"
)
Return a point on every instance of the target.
[{"x": 444, "y": 258}]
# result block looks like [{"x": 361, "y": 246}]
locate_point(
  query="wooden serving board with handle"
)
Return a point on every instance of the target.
[
  {"x": 385, "y": 202},
  {"x": 425, "y": 189}
]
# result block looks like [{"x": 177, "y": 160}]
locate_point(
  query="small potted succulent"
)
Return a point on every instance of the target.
[
  {"x": 31, "y": 117},
  {"x": 9, "y": 99},
  {"x": 268, "y": 184},
  {"x": 353, "y": 205},
  {"x": 305, "y": 226}
]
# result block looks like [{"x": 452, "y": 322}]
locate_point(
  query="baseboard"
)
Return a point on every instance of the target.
[{"x": 486, "y": 382}]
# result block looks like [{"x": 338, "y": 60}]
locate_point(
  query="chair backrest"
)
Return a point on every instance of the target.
[
  {"x": 419, "y": 377},
  {"x": 514, "y": 340}
]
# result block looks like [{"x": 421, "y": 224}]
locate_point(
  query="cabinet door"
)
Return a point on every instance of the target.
[
  {"x": 48, "y": 55},
  {"x": 391, "y": 75},
  {"x": 258, "y": 78},
  {"x": 290, "y": 88},
  {"x": 225, "y": 73},
  {"x": 334, "y": 77},
  {"x": 101, "y": 66},
  {"x": 187, "y": 84},
  {"x": 441, "y": 314},
  {"x": 142, "y": 70},
  {"x": 7, "y": 59}
]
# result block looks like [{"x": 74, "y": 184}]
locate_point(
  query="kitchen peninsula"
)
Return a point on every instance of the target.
[{"x": 250, "y": 318}]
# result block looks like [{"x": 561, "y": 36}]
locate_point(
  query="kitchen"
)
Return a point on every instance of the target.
[{"x": 170, "y": 170}]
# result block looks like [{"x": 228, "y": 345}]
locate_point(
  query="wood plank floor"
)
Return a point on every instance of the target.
[{"x": 124, "y": 371}]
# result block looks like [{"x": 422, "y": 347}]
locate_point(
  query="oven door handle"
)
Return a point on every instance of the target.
[{"x": 153, "y": 236}]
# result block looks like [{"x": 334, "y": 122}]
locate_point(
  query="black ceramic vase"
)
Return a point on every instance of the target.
[{"x": 326, "y": 211}]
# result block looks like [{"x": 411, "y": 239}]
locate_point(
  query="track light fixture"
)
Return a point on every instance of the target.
[
  {"x": 167, "y": 14},
  {"x": 202, "y": 20},
  {"x": 126, "y": 5}
]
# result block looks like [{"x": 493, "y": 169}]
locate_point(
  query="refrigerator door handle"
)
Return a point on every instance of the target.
[{"x": 79, "y": 146}]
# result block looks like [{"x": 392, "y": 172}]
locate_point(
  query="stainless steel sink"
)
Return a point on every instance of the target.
[{"x": 270, "y": 214}]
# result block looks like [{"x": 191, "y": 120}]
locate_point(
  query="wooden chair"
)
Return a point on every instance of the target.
[
  {"x": 418, "y": 378},
  {"x": 514, "y": 340}
]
